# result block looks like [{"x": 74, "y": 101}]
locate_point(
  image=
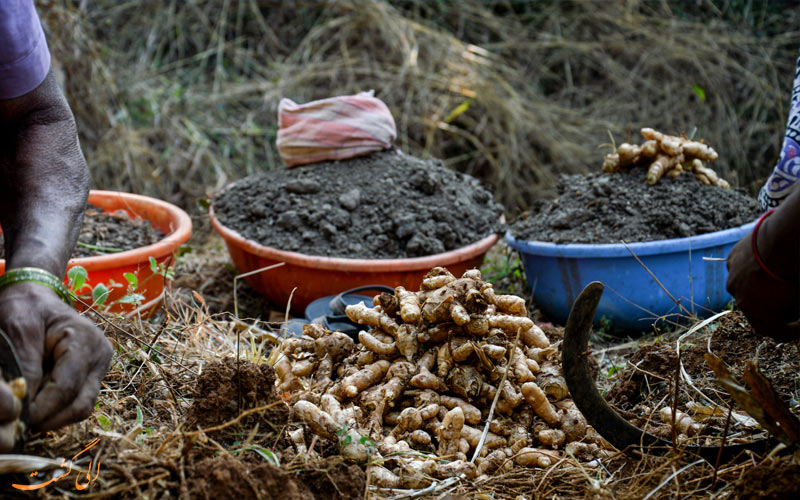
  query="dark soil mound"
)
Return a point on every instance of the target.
[
  {"x": 607, "y": 208},
  {"x": 767, "y": 482},
  {"x": 732, "y": 339},
  {"x": 222, "y": 391},
  {"x": 109, "y": 232},
  {"x": 333, "y": 479},
  {"x": 224, "y": 477},
  {"x": 381, "y": 206},
  {"x": 631, "y": 386}
]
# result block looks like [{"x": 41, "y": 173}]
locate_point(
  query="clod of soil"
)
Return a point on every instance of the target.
[
  {"x": 109, "y": 232},
  {"x": 767, "y": 482},
  {"x": 333, "y": 479},
  {"x": 631, "y": 385},
  {"x": 607, "y": 208},
  {"x": 224, "y": 477},
  {"x": 222, "y": 391},
  {"x": 381, "y": 206}
]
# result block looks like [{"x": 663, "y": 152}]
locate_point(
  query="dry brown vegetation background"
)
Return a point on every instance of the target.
[{"x": 177, "y": 98}]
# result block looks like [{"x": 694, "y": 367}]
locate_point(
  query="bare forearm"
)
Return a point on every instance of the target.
[
  {"x": 779, "y": 238},
  {"x": 44, "y": 181}
]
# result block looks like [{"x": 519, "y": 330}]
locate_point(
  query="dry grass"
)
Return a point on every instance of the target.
[
  {"x": 177, "y": 98},
  {"x": 147, "y": 449}
]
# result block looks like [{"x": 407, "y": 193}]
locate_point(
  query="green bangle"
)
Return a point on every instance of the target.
[{"x": 35, "y": 275}]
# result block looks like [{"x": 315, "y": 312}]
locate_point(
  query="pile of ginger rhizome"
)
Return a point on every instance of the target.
[
  {"x": 666, "y": 155},
  {"x": 414, "y": 394}
]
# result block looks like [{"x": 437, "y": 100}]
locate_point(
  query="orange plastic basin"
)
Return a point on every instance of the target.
[
  {"x": 316, "y": 277},
  {"x": 167, "y": 218}
]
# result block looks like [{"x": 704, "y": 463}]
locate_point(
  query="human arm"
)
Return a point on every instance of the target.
[
  {"x": 771, "y": 304},
  {"x": 44, "y": 186}
]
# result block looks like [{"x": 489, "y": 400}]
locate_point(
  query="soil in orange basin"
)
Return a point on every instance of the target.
[
  {"x": 382, "y": 206},
  {"x": 109, "y": 232}
]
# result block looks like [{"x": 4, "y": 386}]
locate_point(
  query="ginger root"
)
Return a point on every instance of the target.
[
  {"x": 409, "y": 305},
  {"x": 533, "y": 457},
  {"x": 450, "y": 432},
  {"x": 683, "y": 422},
  {"x": 536, "y": 397},
  {"x": 666, "y": 155},
  {"x": 373, "y": 344},
  {"x": 423, "y": 376},
  {"x": 366, "y": 377}
]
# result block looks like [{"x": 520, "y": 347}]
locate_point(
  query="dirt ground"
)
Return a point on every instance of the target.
[
  {"x": 103, "y": 233},
  {"x": 341, "y": 209},
  {"x": 607, "y": 208},
  {"x": 185, "y": 420},
  {"x": 646, "y": 382}
]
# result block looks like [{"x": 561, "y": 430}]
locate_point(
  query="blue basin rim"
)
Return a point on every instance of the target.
[{"x": 577, "y": 250}]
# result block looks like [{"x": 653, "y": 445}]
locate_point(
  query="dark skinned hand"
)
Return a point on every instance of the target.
[
  {"x": 63, "y": 356},
  {"x": 771, "y": 305}
]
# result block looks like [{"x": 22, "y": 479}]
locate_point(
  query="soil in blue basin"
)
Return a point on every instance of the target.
[{"x": 607, "y": 208}]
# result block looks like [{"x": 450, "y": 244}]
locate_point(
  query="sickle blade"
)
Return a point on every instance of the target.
[{"x": 598, "y": 413}]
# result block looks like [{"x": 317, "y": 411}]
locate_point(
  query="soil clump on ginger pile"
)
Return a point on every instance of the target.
[
  {"x": 385, "y": 205},
  {"x": 105, "y": 233},
  {"x": 607, "y": 208}
]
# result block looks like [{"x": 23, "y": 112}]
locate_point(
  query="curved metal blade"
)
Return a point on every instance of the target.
[{"x": 598, "y": 413}]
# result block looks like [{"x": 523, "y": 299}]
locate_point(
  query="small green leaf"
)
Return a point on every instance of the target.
[
  {"x": 133, "y": 281},
  {"x": 132, "y": 298},
  {"x": 139, "y": 416},
  {"x": 347, "y": 439},
  {"x": 266, "y": 455},
  {"x": 77, "y": 278},
  {"x": 104, "y": 422},
  {"x": 699, "y": 91},
  {"x": 153, "y": 265},
  {"x": 99, "y": 294},
  {"x": 342, "y": 431}
]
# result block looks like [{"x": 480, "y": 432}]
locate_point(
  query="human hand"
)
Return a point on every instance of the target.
[
  {"x": 770, "y": 305},
  {"x": 63, "y": 356}
]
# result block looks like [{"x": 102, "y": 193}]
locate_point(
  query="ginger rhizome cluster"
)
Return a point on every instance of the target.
[
  {"x": 668, "y": 155},
  {"x": 419, "y": 384}
]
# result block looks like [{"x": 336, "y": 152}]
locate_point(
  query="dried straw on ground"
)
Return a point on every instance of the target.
[{"x": 147, "y": 448}]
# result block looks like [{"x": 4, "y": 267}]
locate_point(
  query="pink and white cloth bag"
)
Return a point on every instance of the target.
[{"x": 336, "y": 128}]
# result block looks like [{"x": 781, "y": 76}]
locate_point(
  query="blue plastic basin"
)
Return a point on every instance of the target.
[{"x": 692, "y": 269}]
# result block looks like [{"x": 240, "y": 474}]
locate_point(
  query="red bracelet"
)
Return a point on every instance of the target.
[{"x": 755, "y": 248}]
